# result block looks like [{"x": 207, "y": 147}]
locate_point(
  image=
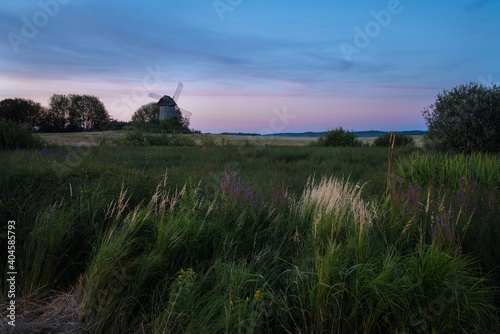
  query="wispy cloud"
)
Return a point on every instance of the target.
[{"x": 262, "y": 51}]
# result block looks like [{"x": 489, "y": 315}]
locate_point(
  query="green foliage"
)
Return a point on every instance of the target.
[
  {"x": 14, "y": 135},
  {"x": 113, "y": 125},
  {"x": 396, "y": 138},
  {"x": 339, "y": 137},
  {"x": 139, "y": 138},
  {"x": 74, "y": 113},
  {"x": 146, "y": 119},
  {"x": 467, "y": 118},
  {"x": 146, "y": 113},
  {"x": 22, "y": 111},
  {"x": 158, "y": 254},
  {"x": 438, "y": 169},
  {"x": 55, "y": 117},
  {"x": 207, "y": 140},
  {"x": 175, "y": 124},
  {"x": 152, "y": 126}
]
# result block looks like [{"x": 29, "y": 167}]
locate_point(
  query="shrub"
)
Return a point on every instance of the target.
[
  {"x": 22, "y": 111},
  {"x": 181, "y": 140},
  {"x": 339, "y": 137},
  {"x": 14, "y": 135},
  {"x": 207, "y": 140},
  {"x": 467, "y": 118},
  {"x": 135, "y": 138},
  {"x": 398, "y": 138},
  {"x": 146, "y": 113},
  {"x": 175, "y": 124},
  {"x": 139, "y": 138},
  {"x": 150, "y": 126}
]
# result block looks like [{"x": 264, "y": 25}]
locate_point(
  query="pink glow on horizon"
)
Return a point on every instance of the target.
[
  {"x": 217, "y": 109},
  {"x": 401, "y": 87}
]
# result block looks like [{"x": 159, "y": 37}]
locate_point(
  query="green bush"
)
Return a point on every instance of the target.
[
  {"x": 14, "y": 135},
  {"x": 339, "y": 137},
  {"x": 139, "y": 138},
  {"x": 397, "y": 138},
  {"x": 467, "y": 118},
  {"x": 22, "y": 111},
  {"x": 168, "y": 140},
  {"x": 150, "y": 126},
  {"x": 135, "y": 138},
  {"x": 207, "y": 140},
  {"x": 175, "y": 124}
]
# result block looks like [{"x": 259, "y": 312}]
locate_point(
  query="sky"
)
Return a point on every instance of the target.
[{"x": 253, "y": 65}]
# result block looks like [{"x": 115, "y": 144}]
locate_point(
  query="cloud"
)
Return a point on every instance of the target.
[{"x": 278, "y": 52}]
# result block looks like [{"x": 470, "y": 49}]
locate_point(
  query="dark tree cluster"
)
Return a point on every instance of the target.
[
  {"x": 146, "y": 118},
  {"x": 339, "y": 137},
  {"x": 147, "y": 113},
  {"x": 22, "y": 111},
  {"x": 466, "y": 118},
  {"x": 396, "y": 139},
  {"x": 65, "y": 113}
]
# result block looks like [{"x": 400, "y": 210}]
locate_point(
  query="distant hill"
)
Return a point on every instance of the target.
[{"x": 360, "y": 134}]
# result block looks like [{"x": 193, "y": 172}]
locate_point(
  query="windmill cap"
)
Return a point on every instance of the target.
[{"x": 167, "y": 101}]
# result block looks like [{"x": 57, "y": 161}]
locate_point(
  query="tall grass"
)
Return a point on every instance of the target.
[
  {"x": 332, "y": 205},
  {"x": 159, "y": 271},
  {"x": 313, "y": 255},
  {"x": 447, "y": 169}
]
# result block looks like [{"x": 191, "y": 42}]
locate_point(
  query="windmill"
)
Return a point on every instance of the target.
[{"x": 168, "y": 105}]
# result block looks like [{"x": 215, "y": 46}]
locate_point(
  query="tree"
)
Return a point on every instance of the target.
[
  {"x": 339, "y": 137},
  {"x": 396, "y": 138},
  {"x": 57, "y": 114},
  {"x": 22, "y": 111},
  {"x": 175, "y": 124},
  {"x": 14, "y": 135},
  {"x": 150, "y": 113},
  {"x": 147, "y": 113},
  {"x": 467, "y": 118},
  {"x": 92, "y": 112},
  {"x": 74, "y": 113},
  {"x": 182, "y": 120}
]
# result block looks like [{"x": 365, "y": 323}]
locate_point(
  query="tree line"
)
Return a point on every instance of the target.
[{"x": 71, "y": 112}]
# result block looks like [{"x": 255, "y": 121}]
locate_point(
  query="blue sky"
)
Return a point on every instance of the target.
[{"x": 253, "y": 65}]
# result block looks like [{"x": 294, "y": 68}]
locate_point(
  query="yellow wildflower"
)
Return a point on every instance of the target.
[{"x": 258, "y": 295}]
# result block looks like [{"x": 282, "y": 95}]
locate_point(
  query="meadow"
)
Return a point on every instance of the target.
[
  {"x": 95, "y": 138},
  {"x": 232, "y": 237}
]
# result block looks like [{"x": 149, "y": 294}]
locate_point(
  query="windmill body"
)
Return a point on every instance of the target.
[{"x": 168, "y": 105}]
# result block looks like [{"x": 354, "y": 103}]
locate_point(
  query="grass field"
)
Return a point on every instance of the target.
[
  {"x": 243, "y": 237},
  {"x": 94, "y": 138}
]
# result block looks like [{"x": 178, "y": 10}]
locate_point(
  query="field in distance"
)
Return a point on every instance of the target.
[{"x": 94, "y": 138}]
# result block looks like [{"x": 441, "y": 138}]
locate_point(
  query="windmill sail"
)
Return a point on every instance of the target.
[
  {"x": 155, "y": 96},
  {"x": 185, "y": 113},
  {"x": 178, "y": 91}
]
